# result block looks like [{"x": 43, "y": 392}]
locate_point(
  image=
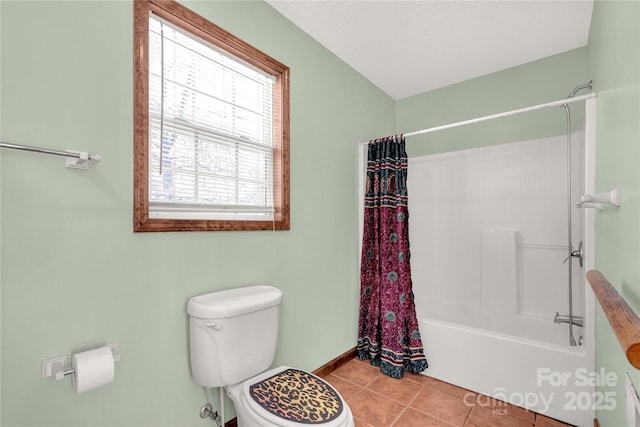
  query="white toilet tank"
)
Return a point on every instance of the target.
[{"x": 233, "y": 334}]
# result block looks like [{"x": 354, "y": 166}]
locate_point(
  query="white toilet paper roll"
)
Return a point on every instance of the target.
[{"x": 94, "y": 368}]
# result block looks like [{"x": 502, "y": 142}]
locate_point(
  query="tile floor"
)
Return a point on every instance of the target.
[{"x": 377, "y": 400}]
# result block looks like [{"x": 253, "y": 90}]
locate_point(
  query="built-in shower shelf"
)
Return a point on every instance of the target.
[
  {"x": 623, "y": 320},
  {"x": 599, "y": 200}
]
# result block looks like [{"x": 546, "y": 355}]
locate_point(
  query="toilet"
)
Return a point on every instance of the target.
[{"x": 233, "y": 337}]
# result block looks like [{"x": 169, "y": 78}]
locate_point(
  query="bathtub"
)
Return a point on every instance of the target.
[{"x": 554, "y": 380}]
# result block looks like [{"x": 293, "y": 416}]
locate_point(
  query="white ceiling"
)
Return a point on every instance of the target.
[{"x": 410, "y": 47}]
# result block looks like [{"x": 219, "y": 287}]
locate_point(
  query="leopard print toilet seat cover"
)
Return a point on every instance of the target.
[{"x": 298, "y": 396}]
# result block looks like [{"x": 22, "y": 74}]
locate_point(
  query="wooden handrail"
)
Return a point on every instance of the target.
[{"x": 623, "y": 320}]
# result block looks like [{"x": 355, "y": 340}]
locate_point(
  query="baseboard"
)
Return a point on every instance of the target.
[
  {"x": 322, "y": 371},
  {"x": 335, "y": 363}
]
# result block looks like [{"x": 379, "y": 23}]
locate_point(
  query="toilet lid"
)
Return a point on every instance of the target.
[{"x": 296, "y": 396}]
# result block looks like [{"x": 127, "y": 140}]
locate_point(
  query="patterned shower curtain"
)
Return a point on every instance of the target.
[{"x": 388, "y": 329}]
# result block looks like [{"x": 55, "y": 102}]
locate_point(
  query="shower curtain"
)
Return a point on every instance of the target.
[{"x": 388, "y": 333}]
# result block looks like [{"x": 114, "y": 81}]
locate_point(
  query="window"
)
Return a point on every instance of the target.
[{"x": 211, "y": 120}]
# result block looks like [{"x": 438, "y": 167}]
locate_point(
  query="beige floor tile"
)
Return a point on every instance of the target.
[
  {"x": 483, "y": 416},
  {"x": 360, "y": 423},
  {"x": 401, "y": 390},
  {"x": 505, "y": 408},
  {"x": 542, "y": 421},
  {"x": 346, "y": 388},
  {"x": 442, "y": 406},
  {"x": 417, "y": 400},
  {"x": 413, "y": 418},
  {"x": 374, "y": 409},
  {"x": 449, "y": 388},
  {"x": 357, "y": 372}
]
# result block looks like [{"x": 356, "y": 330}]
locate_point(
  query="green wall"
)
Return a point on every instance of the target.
[
  {"x": 74, "y": 275},
  {"x": 538, "y": 82},
  {"x": 614, "y": 64}
]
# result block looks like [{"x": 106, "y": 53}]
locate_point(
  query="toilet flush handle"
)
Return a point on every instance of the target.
[{"x": 213, "y": 325}]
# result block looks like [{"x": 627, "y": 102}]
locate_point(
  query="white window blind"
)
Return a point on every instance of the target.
[{"x": 210, "y": 131}]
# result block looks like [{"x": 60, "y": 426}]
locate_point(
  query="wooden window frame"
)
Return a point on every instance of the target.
[{"x": 195, "y": 24}]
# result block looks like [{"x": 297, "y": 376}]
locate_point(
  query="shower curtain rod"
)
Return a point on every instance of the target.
[{"x": 505, "y": 114}]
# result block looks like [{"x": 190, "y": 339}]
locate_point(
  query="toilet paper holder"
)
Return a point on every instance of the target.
[{"x": 56, "y": 366}]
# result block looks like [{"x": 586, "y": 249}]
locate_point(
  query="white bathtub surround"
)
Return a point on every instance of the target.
[
  {"x": 499, "y": 262},
  {"x": 488, "y": 240},
  {"x": 488, "y": 237}
]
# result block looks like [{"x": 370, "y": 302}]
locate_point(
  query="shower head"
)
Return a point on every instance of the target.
[{"x": 578, "y": 88}]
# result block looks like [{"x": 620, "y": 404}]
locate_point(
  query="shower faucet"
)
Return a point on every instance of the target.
[
  {"x": 563, "y": 318},
  {"x": 579, "y": 253}
]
